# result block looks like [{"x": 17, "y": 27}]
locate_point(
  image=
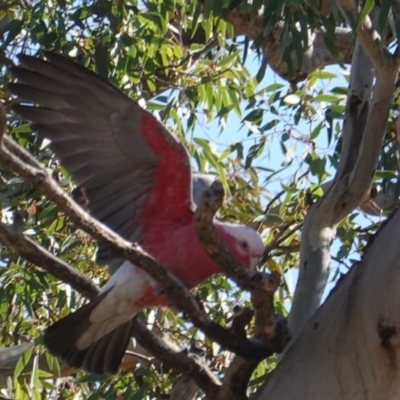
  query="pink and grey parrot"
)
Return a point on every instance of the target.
[{"x": 136, "y": 178}]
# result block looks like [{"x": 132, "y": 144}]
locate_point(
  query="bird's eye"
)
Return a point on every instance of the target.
[{"x": 244, "y": 245}]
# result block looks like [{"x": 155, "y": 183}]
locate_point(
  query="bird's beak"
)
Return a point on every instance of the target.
[{"x": 254, "y": 261}]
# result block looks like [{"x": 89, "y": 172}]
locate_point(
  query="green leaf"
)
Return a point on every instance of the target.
[
  {"x": 22, "y": 363},
  {"x": 317, "y": 166},
  {"x": 270, "y": 125},
  {"x": 316, "y": 131},
  {"x": 273, "y": 87},
  {"x": 254, "y": 152},
  {"x": 255, "y": 116},
  {"x": 154, "y": 18},
  {"x": 196, "y": 18},
  {"x": 13, "y": 28},
  {"x": 225, "y": 61},
  {"x": 322, "y": 74},
  {"x": 368, "y": 7},
  {"x": 385, "y": 175},
  {"x": 329, "y": 98},
  {"x": 270, "y": 219}
]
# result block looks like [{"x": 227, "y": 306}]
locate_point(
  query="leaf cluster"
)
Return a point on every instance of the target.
[{"x": 181, "y": 61}]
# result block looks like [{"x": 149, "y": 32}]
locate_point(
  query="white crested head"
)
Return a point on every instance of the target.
[{"x": 246, "y": 236}]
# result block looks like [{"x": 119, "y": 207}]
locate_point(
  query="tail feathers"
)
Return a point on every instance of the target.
[
  {"x": 105, "y": 355},
  {"x": 62, "y": 335},
  {"x": 102, "y": 356}
]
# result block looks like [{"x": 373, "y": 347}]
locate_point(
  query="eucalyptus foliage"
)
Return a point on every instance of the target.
[{"x": 182, "y": 61}]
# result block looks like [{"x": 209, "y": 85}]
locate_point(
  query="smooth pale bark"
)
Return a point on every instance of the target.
[
  {"x": 367, "y": 112},
  {"x": 340, "y": 354},
  {"x": 320, "y": 223}
]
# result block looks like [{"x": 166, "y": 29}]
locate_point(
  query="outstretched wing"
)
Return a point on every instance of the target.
[{"x": 130, "y": 169}]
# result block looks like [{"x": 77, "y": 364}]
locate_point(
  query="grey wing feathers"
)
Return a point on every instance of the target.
[{"x": 96, "y": 132}]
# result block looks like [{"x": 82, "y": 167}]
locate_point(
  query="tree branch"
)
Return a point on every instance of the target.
[
  {"x": 39, "y": 256},
  {"x": 354, "y": 187},
  {"x": 237, "y": 378},
  {"x": 183, "y": 388},
  {"x": 10, "y": 154},
  {"x": 176, "y": 291},
  {"x": 368, "y": 36},
  {"x": 350, "y": 347},
  {"x": 261, "y": 286},
  {"x": 364, "y": 129},
  {"x": 315, "y": 56},
  {"x": 187, "y": 364}
]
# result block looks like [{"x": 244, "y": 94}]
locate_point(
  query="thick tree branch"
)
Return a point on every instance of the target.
[
  {"x": 317, "y": 55},
  {"x": 183, "y": 388},
  {"x": 319, "y": 225},
  {"x": 364, "y": 129},
  {"x": 132, "y": 252},
  {"x": 349, "y": 349},
  {"x": 356, "y": 114},
  {"x": 237, "y": 378},
  {"x": 37, "y": 175},
  {"x": 355, "y": 184}
]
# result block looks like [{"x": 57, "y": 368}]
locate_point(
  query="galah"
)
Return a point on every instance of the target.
[{"x": 136, "y": 178}]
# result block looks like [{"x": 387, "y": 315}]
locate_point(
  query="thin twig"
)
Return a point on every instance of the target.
[{"x": 284, "y": 234}]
